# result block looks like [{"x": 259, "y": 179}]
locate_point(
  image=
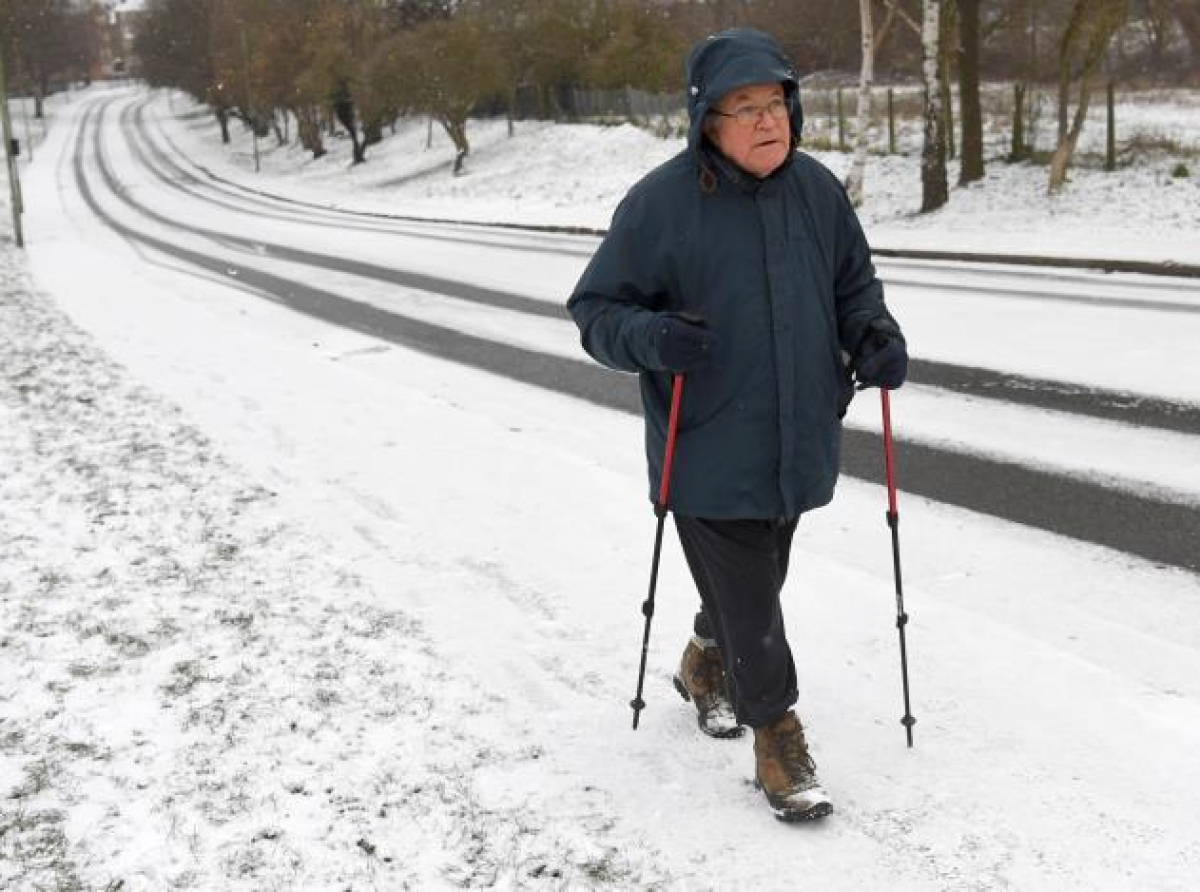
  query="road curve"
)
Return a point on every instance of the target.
[
  {"x": 967, "y": 380},
  {"x": 1163, "y": 532}
]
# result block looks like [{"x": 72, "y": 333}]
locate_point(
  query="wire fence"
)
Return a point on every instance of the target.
[
  {"x": 896, "y": 123},
  {"x": 662, "y": 112}
]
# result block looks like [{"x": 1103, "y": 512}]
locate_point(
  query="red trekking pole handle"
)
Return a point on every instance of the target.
[
  {"x": 664, "y": 489},
  {"x": 660, "y": 510},
  {"x": 889, "y": 456},
  {"x": 893, "y": 520}
]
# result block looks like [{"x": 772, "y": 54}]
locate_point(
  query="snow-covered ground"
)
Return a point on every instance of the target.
[
  {"x": 575, "y": 175},
  {"x": 287, "y": 607}
]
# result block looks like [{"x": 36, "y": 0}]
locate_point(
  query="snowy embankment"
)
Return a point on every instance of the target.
[
  {"x": 574, "y": 175},
  {"x": 287, "y": 607}
]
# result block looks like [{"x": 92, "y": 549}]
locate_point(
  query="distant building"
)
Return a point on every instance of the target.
[{"x": 112, "y": 24}]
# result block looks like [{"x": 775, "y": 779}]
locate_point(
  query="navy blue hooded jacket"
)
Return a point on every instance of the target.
[{"x": 781, "y": 271}]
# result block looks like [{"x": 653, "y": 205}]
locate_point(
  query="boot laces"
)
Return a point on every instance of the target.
[{"x": 794, "y": 750}]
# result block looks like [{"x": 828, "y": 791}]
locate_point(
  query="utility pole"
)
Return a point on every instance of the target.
[
  {"x": 249, "y": 94},
  {"x": 25, "y": 111},
  {"x": 14, "y": 181}
]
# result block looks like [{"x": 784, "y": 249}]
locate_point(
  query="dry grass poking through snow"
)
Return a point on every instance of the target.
[{"x": 194, "y": 693}]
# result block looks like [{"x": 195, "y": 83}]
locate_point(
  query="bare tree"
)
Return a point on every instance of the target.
[
  {"x": 935, "y": 190},
  {"x": 1187, "y": 13},
  {"x": 947, "y": 42},
  {"x": 971, "y": 114},
  {"x": 858, "y": 167},
  {"x": 1154, "y": 21},
  {"x": 1089, "y": 30},
  {"x": 896, "y": 10},
  {"x": 421, "y": 71},
  {"x": 45, "y": 41}
]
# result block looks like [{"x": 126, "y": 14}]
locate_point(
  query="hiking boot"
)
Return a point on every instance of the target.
[
  {"x": 786, "y": 773},
  {"x": 701, "y": 679}
]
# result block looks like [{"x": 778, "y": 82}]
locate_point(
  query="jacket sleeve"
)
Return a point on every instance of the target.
[
  {"x": 857, "y": 290},
  {"x": 620, "y": 293}
]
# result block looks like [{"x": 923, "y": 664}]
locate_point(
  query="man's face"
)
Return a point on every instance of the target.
[{"x": 755, "y": 140}]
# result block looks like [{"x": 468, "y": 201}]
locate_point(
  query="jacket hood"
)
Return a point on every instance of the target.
[{"x": 737, "y": 58}]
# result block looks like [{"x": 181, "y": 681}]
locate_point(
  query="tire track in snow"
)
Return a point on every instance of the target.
[
  {"x": 1158, "y": 531},
  {"x": 1110, "y": 405}
]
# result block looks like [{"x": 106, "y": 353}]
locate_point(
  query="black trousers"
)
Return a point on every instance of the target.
[{"x": 739, "y": 567}]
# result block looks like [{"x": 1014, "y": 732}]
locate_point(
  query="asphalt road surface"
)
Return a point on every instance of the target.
[{"x": 1161, "y": 531}]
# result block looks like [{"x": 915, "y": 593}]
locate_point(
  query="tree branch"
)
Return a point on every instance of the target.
[{"x": 895, "y": 8}]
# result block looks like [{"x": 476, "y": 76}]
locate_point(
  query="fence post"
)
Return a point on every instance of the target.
[
  {"x": 841, "y": 115},
  {"x": 1017, "y": 151},
  {"x": 891, "y": 105},
  {"x": 14, "y": 176},
  {"x": 1110, "y": 161}
]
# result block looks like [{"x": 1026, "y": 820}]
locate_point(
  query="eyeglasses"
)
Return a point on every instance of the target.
[{"x": 749, "y": 115}]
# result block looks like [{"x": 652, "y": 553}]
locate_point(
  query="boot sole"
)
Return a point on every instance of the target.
[
  {"x": 734, "y": 732},
  {"x": 818, "y": 811},
  {"x": 798, "y": 815}
]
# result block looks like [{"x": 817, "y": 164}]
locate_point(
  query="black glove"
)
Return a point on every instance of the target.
[
  {"x": 683, "y": 342},
  {"x": 882, "y": 356}
]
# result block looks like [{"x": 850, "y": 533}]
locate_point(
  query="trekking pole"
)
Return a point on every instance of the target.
[
  {"x": 893, "y": 520},
  {"x": 660, "y": 510}
]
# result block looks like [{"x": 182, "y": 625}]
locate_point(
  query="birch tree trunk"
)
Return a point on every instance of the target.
[
  {"x": 858, "y": 167},
  {"x": 935, "y": 190}
]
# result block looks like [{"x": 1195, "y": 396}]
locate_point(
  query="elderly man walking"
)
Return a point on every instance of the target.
[{"x": 741, "y": 264}]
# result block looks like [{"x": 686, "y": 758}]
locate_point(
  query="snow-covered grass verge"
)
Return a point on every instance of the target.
[{"x": 196, "y": 692}]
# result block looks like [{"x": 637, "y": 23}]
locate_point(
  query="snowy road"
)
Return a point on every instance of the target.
[
  {"x": 354, "y": 615},
  {"x": 1181, "y": 296},
  {"x": 331, "y": 264}
]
